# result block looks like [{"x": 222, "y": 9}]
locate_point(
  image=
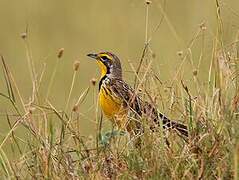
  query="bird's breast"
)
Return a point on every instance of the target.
[{"x": 109, "y": 103}]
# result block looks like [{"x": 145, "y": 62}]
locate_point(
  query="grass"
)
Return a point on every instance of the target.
[{"x": 56, "y": 149}]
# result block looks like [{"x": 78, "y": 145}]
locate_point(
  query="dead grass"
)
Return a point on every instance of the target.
[{"x": 210, "y": 108}]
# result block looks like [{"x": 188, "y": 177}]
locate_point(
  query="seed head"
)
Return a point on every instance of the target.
[
  {"x": 148, "y": 2},
  {"x": 93, "y": 81},
  {"x": 76, "y": 65},
  {"x": 75, "y": 108},
  {"x": 24, "y": 35},
  {"x": 203, "y": 26},
  {"x": 60, "y": 52},
  {"x": 180, "y": 53},
  {"x": 195, "y": 72}
]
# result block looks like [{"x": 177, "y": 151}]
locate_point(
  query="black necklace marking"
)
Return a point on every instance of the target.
[
  {"x": 101, "y": 81},
  {"x": 105, "y": 76}
]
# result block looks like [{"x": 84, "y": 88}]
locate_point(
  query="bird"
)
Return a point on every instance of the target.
[{"x": 122, "y": 105}]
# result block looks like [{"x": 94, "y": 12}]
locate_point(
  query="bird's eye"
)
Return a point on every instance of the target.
[{"x": 105, "y": 58}]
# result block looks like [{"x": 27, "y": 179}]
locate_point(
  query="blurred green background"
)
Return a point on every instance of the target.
[{"x": 81, "y": 27}]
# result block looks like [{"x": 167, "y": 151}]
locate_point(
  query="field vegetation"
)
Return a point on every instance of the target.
[{"x": 44, "y": 133}]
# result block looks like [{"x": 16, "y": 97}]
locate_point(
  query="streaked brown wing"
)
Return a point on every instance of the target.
[{"x": 144, "y": 108}]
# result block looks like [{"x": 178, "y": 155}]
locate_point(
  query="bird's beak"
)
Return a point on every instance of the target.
[{"x": 92, "y": 55}]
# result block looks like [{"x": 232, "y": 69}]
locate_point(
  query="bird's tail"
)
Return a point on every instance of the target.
[
  {"x": 156, "y": 116},
  {"x": 169, "y": 124},
  {"x": 181, "y": 128}
]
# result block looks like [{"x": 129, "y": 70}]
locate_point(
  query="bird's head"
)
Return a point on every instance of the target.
[{"x": 109, "y": 64}]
